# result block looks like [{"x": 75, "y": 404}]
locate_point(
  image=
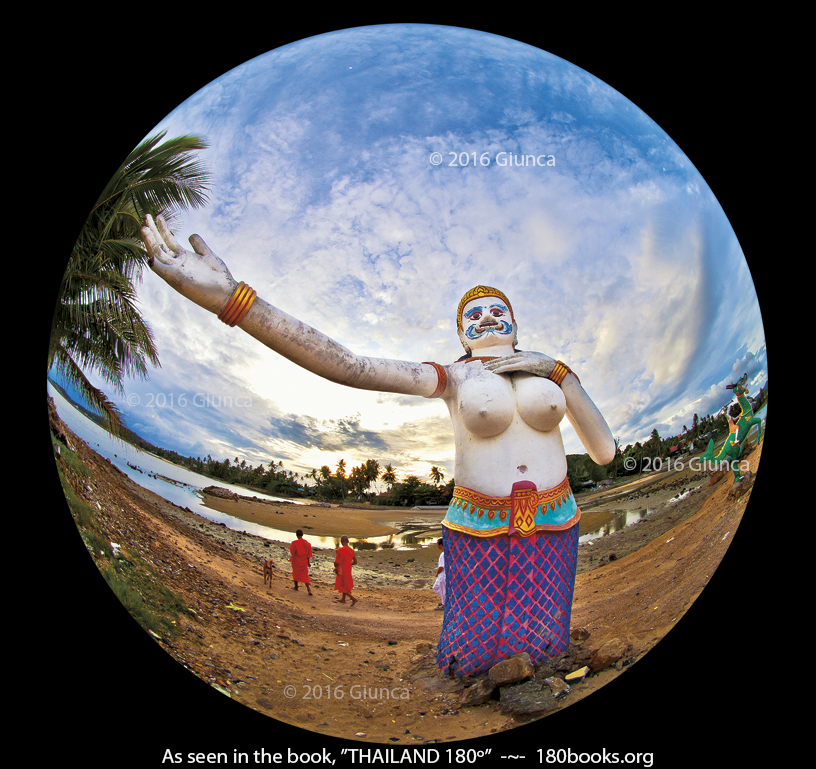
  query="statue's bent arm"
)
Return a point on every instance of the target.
[
  {"x": 588, "y": 422},
  {"x": 582, "y": 413}
]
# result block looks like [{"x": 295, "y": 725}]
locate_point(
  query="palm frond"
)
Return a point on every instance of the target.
[
  {"x": 95, "y": 398},
  {"x": 97, "y": 325}
]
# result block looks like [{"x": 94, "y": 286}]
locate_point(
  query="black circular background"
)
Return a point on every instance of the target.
[{"x": 103, "y": 678}]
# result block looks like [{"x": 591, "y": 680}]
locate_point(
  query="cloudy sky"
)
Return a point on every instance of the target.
[{"x": 616, "y": 256}]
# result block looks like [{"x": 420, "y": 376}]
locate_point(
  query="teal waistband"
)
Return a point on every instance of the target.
[{"x": 482, "y": 516}]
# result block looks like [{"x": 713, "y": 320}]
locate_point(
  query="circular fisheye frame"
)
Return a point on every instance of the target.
[{"x": 407, "y": 385}]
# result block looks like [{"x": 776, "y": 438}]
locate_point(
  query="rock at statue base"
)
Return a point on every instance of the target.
[
  {"x": 527, "y": 699},
  {"x": 512, "y": 670},
  {"x": 478, "y": 694},
  {"x": 608, "y": 654}
]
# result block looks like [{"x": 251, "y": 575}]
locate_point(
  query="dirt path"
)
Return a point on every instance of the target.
[{"x": 367, "y": 672}]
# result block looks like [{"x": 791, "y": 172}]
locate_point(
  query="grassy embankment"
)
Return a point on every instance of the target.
[{"x": 135, "y": 583}]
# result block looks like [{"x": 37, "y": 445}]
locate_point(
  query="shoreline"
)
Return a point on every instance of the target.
[
  {"x": 248, "y": 639},
  {"x": 414, "y": 568}
]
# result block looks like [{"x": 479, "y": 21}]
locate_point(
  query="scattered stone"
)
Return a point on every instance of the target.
[
  {"x": 512, "y": 670},
  {"x": 577, "y": 675},
  {"x": 422, "y": 646},
  {"x": 217, "y": 491},
  {"x": 558, "y": 687},
  {"x": 529, "y": 698},
  {"x": 608, "y": 654},
  {"x": 478, "y": 693},
  {"x": 580, "y": 634},
  {"x": 745, "y": 483}
]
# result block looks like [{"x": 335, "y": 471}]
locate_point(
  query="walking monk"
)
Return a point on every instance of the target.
[
  {"x": 300, "y": 553},
  {"x": 343, "y": 561}
]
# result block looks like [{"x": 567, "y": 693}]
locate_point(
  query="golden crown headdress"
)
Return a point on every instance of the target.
[{"x": 477, "y": 293}]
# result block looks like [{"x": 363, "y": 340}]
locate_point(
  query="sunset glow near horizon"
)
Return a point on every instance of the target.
[{"x": 327, "y": 199}]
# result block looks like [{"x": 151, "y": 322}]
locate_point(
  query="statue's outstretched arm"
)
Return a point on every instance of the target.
[
  {"x": 204, "y": 279},
  {"x": 582, "y": 413}
]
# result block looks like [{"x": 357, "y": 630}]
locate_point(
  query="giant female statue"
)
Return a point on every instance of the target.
[{"x": 511, "y": 535}]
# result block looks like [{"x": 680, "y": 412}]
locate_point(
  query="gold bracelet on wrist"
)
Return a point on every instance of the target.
[
  {"x": 560, "y": 371},
  {"x": 238, "y": 305},
  {"x": 441, "y": 379}
]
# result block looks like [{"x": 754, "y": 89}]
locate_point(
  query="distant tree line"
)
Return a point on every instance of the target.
[
  {"x": 631, "y": 460},
  {"x": 355, "y": 485},
  {"x": 324, "y": 484}
]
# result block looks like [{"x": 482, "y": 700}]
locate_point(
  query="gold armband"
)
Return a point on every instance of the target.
[
  {"x": 238, "y": 305},
  {"x": 441, "y": 379},
  {"x": 560, "y": 371}
]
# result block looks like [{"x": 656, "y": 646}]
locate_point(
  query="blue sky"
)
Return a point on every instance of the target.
[{"x": 616, "y": 256}]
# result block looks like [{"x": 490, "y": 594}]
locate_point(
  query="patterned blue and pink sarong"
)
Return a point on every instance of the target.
[{"x": 510, "y": 564}]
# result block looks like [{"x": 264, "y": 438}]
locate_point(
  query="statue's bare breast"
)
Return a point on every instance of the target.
[{"x": 487, "y": 403}]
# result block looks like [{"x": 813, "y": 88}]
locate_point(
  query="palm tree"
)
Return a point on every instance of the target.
[
  {"x": 371, "y": 468},
  {"x": 389, "y": 477},
  {"x": 436, "y": 474},
  {"x": 617, "y": 454},
  {"x": 357, "y": 481},
  {"x": 641, "y": 452},
  {"x": 341, "y": 475},
  {"x": 96, "y": 323}
]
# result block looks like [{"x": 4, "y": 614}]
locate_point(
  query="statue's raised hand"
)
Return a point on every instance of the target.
[
  {"x": 200, "y": 275},
  {"x": 532, "y": 362}
]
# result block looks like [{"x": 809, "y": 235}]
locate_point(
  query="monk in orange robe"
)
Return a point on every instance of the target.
[
  {"x": 343, "y": 561},
  {"x": 300, "y": 553}
]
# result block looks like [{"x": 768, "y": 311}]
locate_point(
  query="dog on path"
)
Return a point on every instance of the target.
[{"x": 267, "y": 571}]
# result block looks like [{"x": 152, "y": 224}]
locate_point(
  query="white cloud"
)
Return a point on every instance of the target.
[{"x": 629, "y": 274}]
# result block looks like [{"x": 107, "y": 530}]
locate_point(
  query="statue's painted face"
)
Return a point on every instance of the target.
[{"x": 486, "y": 320}]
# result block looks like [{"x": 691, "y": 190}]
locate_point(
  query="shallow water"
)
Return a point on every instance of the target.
[
  {"x": 183, "y": 487},
  {"x": 622, "y": 519},
  {"x": 172, "y": 482}
]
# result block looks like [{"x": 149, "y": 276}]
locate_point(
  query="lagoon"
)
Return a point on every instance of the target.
[{"x": 184, "y": 488}]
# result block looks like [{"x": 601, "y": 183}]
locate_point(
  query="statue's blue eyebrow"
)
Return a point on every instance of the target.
[{"x": 481, "y": 309}]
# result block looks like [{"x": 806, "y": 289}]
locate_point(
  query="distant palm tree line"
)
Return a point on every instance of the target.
[
  {"x": 339, "y": 485},
  {"x": 357, "y": 483}
]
